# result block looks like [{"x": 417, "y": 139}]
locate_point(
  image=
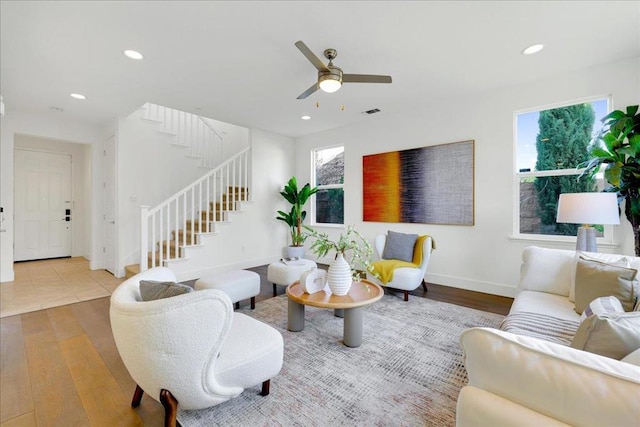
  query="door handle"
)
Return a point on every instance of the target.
[{"x": 112, "y": 222}]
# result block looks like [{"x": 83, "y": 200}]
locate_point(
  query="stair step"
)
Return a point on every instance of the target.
[
  {"x": 200, "y": 227},
  {"x": 212, "y": 216},
  {"x": 131, "y": 270},
  {"x": 224, "y": 206},
  {"x": 190, "y": 238}
]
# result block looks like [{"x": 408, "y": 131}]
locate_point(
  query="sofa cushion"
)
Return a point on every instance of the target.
[
  {"x": 399, "y": 246},
  {"x": 575, "y": 387},
  {"x": 613, "y": 335},
  {"x": 602, "y": 305},
  {"x": 152, "y": 290},
  {"x": 598, "y": 279},
  {"x": 544, "y": 303},
  {"x": 633, "y": 358},
  {"x": 546, "y": 270},
  {"x": 613, "y": 259}
]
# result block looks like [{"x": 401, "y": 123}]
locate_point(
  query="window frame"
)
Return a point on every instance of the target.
[
  {"x": 312, "y": 153},
  {"x": 607, "y": 240}
]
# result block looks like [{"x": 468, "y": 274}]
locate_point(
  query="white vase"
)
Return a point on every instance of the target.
[{"x": 339, "y": 276}]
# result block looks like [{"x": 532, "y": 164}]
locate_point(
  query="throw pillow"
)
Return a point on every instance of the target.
[
  {"x": 399, "y": 246},
  {"x": 598, "y": 279},
  {"x": 152, "y": 290},
  {"x": 613, "y": 335},
  {"x": 602, "y": 305},
  {"x": 612, "y": 259}
]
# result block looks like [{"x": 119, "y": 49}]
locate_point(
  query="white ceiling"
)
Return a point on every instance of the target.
[{"x": 237, "y": 62}]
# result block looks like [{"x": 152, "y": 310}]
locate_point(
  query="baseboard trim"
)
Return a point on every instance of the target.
[{"x": 472, "y": 285}]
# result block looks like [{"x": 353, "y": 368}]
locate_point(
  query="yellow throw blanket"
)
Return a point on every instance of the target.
[{"x": 385, "y": 267}]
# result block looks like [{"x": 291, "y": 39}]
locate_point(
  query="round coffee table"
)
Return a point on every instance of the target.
[{"x": 361, "y": 293}]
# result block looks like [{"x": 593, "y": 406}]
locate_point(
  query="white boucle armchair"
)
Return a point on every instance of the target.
[
  {"x": 191, "y": 349},
  {"x": 405, "y": 279}
]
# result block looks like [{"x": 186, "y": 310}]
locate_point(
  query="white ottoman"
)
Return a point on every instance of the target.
[
  {"x": 284, "y": 274},
  {"x": 237, "y": 284}
]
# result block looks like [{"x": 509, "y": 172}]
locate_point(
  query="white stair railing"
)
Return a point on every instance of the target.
[
  {"x": 191, "y": 130},
  {"x": 194, "y": 209}
]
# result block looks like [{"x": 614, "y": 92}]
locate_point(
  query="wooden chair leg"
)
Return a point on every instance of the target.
[
  {"x": 424, "y": 285},
  {"x": 265, "y": 388},
  {"x": 275, "y": 293},
  {"x": 137, "y": 397},
  {"x": 406, "y": 295},
  {"x": 253, "y": 303},
  {"x": 170, "y": 408}
]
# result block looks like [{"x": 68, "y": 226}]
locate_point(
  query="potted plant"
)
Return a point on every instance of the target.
[
  {"x": 342, "y": 272},
  {"x": 295, "y": 217},
  {"x": 618, "y": 146}
]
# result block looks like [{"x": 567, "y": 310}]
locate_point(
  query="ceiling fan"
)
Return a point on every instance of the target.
[{"x": 330, "y": 77}]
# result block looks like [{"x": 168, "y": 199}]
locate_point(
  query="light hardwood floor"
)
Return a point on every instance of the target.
[{"x": 60, "y": 365}]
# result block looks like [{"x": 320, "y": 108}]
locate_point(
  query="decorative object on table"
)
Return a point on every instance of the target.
[
  {"x": 588, "y": 209},
  {"x": 618, "y": 146},
  {"x": 313, "y": 280},
  {"x": 295, "y": 217},
  {"x": 341, "y": 271},
  {"x": 432, "y": 185}
]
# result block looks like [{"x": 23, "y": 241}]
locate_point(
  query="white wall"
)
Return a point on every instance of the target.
[
  {"x": 482, "y": 257},
  {"x": 81, "y": 185},
  {"x": 150, "y": 169},
  {"x": 52, "y": 126},
  {"x": 254, "y": 236}
]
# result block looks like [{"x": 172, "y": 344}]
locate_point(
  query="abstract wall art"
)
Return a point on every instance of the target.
[{"x": 429, "y": 185}]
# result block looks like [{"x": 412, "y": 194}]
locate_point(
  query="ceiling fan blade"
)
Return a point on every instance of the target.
[
  {"x": 309, "y": 91},
  {"x": 311, "y": 56},
  {"x": 365, "y": 78}
]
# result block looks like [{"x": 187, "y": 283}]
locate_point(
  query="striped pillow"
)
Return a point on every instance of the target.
[{"x": 602, "y": 305}]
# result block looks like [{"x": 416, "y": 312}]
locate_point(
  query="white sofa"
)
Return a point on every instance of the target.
[{"x": 520, "y": 379}]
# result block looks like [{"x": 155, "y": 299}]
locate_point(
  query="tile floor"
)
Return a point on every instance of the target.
[{"x": 51, "y": 283}]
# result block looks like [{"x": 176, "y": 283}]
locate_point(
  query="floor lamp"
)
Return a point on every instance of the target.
[{"x": 588, "y": 209}]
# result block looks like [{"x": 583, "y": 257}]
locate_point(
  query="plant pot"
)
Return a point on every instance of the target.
[
  {"x": 295, "y": 251},
  {"x": 339, "y": 276}
]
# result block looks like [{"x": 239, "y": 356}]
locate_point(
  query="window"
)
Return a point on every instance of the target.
[
  {"x": 328, "y": 175},
  {"x": 550, "y": 146}
]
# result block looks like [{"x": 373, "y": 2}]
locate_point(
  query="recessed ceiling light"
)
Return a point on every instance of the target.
[
  {"x": 306, "y": 117},
  {"x": 533, "y": 49},
  {"x": 133, "y": 54},
  {"x": 78, "y": 96}
]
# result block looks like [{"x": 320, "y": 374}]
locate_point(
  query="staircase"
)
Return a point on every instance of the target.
[
  {"x": 195, "y": 133},
  {"x": 174, "y": 231}
]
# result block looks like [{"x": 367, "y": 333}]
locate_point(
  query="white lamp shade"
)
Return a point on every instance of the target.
[
  {"x": 330, "y": 83},
  {"x": 588, "y": 208}
]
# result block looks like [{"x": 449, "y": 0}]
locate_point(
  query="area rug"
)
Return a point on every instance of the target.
[{"x": 407, "y": 372}]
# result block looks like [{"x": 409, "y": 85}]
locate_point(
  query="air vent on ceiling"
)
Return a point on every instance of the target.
[{"x": 375, "y": 110}]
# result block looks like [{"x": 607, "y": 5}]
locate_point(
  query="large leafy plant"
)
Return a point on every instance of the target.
[
  {"x": 295, "y": 217},
  {"x": 618, "y": 147}
]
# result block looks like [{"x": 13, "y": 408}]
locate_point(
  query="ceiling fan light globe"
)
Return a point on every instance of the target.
[{"x": 329, "y": 83}]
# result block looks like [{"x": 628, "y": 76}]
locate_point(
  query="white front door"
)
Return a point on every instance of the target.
[
  {"x": 43, "y": 208},
  {"x": 109, "y": 211}
]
